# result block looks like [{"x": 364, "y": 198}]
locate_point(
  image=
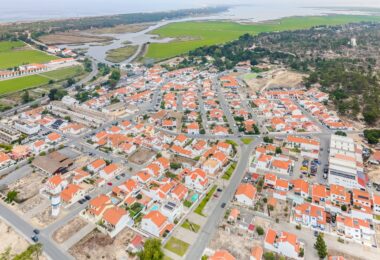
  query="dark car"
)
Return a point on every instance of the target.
[
  {"x": 223, "y": 205},
  {"x": 122, "y": 175},
  {"x": 35, "y": 239},
  {"x": 36, "y": 231},
  {"x": 325, "y": 170},
  {"x": 219, "y": 190},
  {"x": 315, "y": 233},
  {"x": 87, "y": 197},
  {"x": 81, "y": 201}
]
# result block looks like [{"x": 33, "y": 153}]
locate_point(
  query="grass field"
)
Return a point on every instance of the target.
[
  {"x": 177, "y": 246},
  {"x": 191, "y": 226},
  {"x": 191, "y": 35},
  {"x": 64, "y": 73},
  {"x": 13, "y": 85},
  {"x": 121, "y": 54},
  {"x": 227, "y": 175},
  {"x": 13, "y": 54},
  {"x": 199, "y": 209}
]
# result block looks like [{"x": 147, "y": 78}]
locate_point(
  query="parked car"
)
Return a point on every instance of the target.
[
  {"x": 35, "y": 239},
  {"x": 223, "y": 205},
  {"x": 315, "y": 233},
  {"x": 36, "y": 231},
  {"x": 109, "y": 183},
  {"x": 87, "y": 197},
  {"x": 117, "y": 177},
  {"x": 219, "y": 190}
]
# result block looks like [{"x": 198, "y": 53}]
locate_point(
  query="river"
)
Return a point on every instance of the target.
[{"x": 251, "y": 13}]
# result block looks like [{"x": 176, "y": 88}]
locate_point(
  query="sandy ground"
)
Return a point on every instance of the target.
[
  {"x": 28, "y": 186},
  {"x": 10, "y": 238},
  {"x": 96, "y": 245},
  {"x": 141, "y": 156},
  {"x": 238, "y": 242},
  {"x": 68, "y": 230},
  {"x": 31, "y": 203},
  {"x": 44, "y": 218},
  {"x": 276, "y": 77},
  {"x": 71, "y": 38}
]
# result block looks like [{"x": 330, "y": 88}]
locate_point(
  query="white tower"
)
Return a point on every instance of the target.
[{"x": 55, "y": 204}]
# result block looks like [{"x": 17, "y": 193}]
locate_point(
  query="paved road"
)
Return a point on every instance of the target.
[
  {"x": 50, "y": 248},
  {"x": 196, "y": 250}
]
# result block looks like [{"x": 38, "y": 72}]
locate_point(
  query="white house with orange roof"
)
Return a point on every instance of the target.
[
  {"x": 310, "y": 215},
  {"x": 39, "y": 146},
  {"x": 5, "y": 160},
  {"x": 180, "y": 140},
  {"x": 283, "y": 243},
  {"x": 270, "y": 180},
  {"x": 256, "y": 253},
  {"x": 142, "y": 177},
  {"x": 339, "y": 195},
  {"x": 193, "y": 128},
  {"x": 197, "y": 179},
  {"x": 110, "y": 171},
  {"x": 354, "y": 228},
  {"x": 180, "y": 192},
  {"x": 246, "y": 194},
  {"x": 376, "y": 204},
  {"x": 53, "y": 138},
  {"x": 301, "y": 188},
  {"x": 54, "y": 185},
  {"x": 114, "y": 220},
  {"x": 71, "y": 194},
  {"x": 96, "y": 165},
  {"x": 172, "y": 209},
  {"x": 96, "y": 208},
  {"x": 80, "y": 176},
  {"x": 156, "y": 223},
  {"x": 221, "y": 255}
]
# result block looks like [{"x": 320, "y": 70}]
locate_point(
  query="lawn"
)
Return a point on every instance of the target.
[
  {"x": 199, "y": 209},
  {"x": 177, "y": 246},
  {"x": 13, "y": 54},
  {"x": 227, "y": 175},
  {"x": 250, "y": 76},
  {"x": 247, "y": 140},
  {"x": 191, "y": 35},
  {"x": 13, "y": 85},
  {"x": 190, "y": 226},
  {"x": 64, "y": 73}
]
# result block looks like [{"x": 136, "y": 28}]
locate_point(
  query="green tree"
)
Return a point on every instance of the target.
[
  {"x": 11, "y": 196},
  {"x": 260, "y": 230},
  {"x": 152, "y": 250},
  {"x": 278, "y": 150},
  {"x": 320, "y": 246},
  {"x": 269, "y": 256},
  {"x": 25, "y": 97},
  {"x": 341, "y": 133}
]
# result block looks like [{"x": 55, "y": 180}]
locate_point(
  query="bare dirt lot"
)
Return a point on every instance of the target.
[
  {"x": 28, "y": 186},
  {"x": 44, "y": 218},
  {"x": 96, "y": 245},
  {"x": 142, "y": 156},
  {"x": 11, "y": 239},
  {"x": 73, "y": 37},
  {"x": 275, "y": 78},
  {"x": 68, "y": 230}
]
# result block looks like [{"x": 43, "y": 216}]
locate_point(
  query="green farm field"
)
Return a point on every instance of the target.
[
  {"x": 63, "y": 73},
  {"x": 191, "y": 35},
  {"x": 27, "y": 82},
  {"x": 13, "y": 54},
  {"x": 13, "y": 85}
]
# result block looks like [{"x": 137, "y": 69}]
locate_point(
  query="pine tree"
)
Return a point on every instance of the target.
[{"x": 321, "y": 247}]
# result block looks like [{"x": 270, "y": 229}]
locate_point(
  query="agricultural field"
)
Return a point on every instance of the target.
[
  {"x": 17, "y": 84},
  {"x": 64, "y": 73},
  {"x": 13, "y": 54},
  {"x": 191, "y": 35},
  {"x": 13, "y": 85}
]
